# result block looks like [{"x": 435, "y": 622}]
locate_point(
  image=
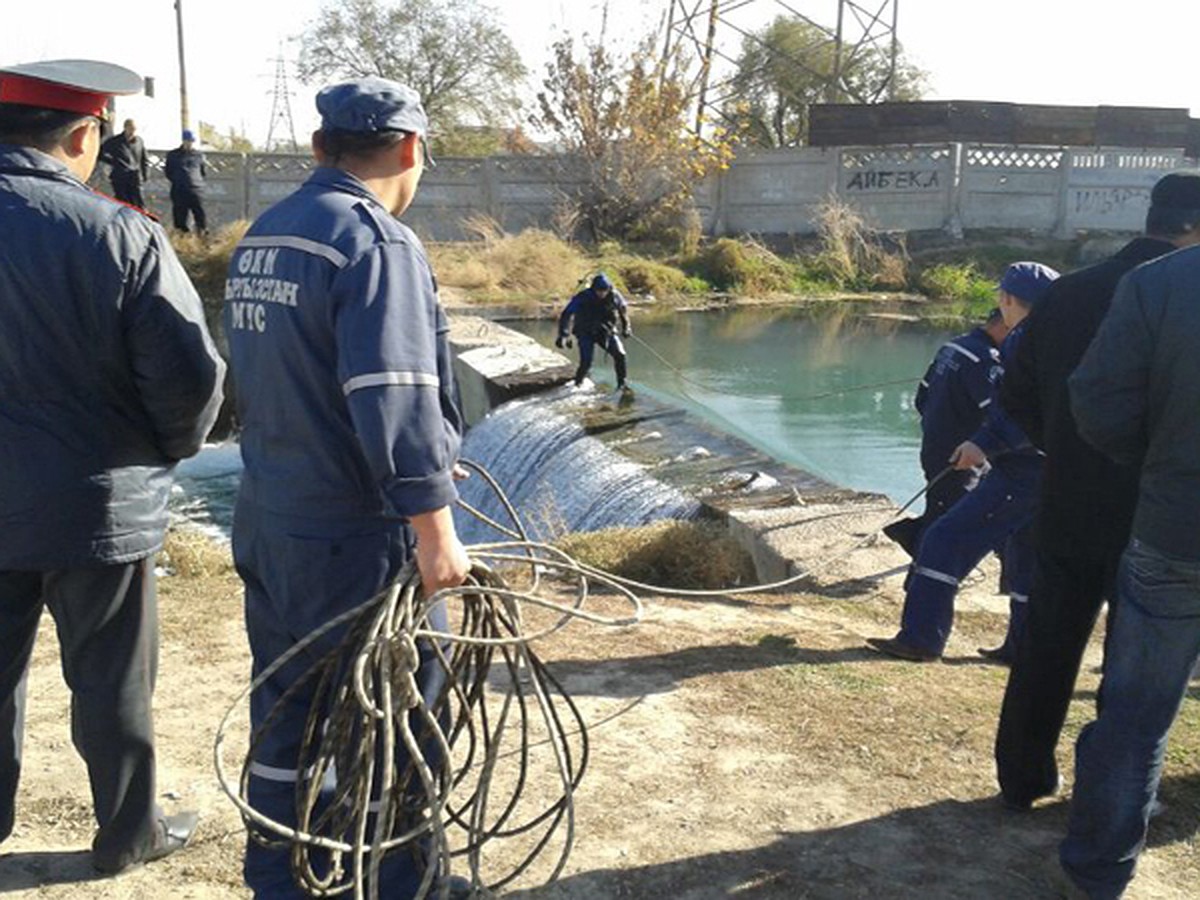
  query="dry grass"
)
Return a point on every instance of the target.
[
  {"x": 535, "y": 263},
  {"x": 206, "y": 257},
  {"x": 692, "y": 555},
  {"x": 190, "y": 553},
  {"x": 855, "y": 255}
]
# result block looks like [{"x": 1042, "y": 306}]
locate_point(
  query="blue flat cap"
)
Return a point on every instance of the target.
[
  {"x": 601, "y": 282},
  {"x": 371, "y": 105},
  {"x": 1027, "y": 281}
]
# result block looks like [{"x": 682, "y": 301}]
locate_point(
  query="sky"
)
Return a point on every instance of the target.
[{"x": 1028, "y": 51}]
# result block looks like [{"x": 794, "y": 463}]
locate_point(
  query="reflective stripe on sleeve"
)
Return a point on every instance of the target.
[
  {"x": 304, "y": 245},
  {"x": 383, "y": 379},
  {"x": 936, "y": 575},
  {"x": 963, "y": 350},
  {"x": 985, "y": 402},
  {"x": 1019, "y": 598}
]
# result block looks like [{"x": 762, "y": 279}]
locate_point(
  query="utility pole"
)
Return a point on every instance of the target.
[{"x": 184, "y": 117}]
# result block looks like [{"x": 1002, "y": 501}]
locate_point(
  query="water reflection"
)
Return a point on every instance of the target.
[{"x": 773, "y": 375}]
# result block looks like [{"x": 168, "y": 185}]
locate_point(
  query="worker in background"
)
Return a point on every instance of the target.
[
  {"x": 999, "y": 510},
  {"x": 186, "y": 170},
  {"x": 951, "y": 400},
  {"x": 129, "y": 169},
  {"x": 598, "y": 316},
  {"x": 108, "y": 377}
]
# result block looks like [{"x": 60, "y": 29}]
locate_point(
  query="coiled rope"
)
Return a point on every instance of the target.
[{"x": 387, "y": 766}]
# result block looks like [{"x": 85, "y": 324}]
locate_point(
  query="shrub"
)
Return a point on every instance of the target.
[
  {"x": 744, "y": 266},
  {"x": 690, "y": 555},
  {"x": 646, "y": 276},
  {"x": 855, "y": 255},
  {"x": 956, "y": 283},
  {"x": 206, "y": 258},
  {"x": 191, "y": 553}
]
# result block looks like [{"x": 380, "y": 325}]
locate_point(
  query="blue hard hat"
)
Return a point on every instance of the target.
[
  {"x": 601, "y": 283},
  {"x": 189, "y": 135}
]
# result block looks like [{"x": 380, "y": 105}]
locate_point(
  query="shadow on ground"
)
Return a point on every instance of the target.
[
  {"x": 25, "y": 871},
  {"x": 948, "y": 849}
]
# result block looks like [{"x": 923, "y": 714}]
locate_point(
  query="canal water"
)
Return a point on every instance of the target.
[{"x": 830, "y": 393}]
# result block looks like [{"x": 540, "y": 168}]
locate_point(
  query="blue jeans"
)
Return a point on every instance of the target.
[{"x": 1118, "y": 758}]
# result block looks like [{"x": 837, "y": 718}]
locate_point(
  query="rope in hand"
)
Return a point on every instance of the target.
[{"x": 401, "y": 750}]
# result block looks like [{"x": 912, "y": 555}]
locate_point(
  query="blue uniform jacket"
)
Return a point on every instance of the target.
[
  {"x": 953, "y": 396},
  {"x": 107, "y": 372},
  {"x": 999, "y": 436},
  {"x": 594, "y": 316},
  {"x": 339, "y": 350}
]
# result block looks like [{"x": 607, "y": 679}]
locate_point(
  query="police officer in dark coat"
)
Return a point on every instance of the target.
[
  {"x": 107, "y": 378},
  {"x": 186, "y": 170},
  {"x": 598, "y": 316},
  {"x": 350, "y": 426},
  {"x": 125, "y": 153},
  {"x": 951, "y": 399},
  {"x": 1087, "y": 500}
]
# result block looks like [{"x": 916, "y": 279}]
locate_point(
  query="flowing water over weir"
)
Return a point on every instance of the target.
[{"x": 582, "y": 460}]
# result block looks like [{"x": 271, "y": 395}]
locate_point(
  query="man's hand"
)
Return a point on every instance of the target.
[
  {"x": 628, "y": 332},
  {"x": 562, "y": 341},
  {"x": 441, "y": 558},
  {"x": 460, "y": 472},
  {"x": 967, "y": 456}
]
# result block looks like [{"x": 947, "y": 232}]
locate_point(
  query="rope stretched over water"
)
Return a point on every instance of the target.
[
  {"x": 389, "y": 764},
  {"x": 683, "y": 376}
]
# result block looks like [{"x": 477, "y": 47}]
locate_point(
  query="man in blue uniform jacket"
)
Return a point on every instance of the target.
[
  {"x": 186, "y": 170},
  {"x": 998, "y": 511},
  {"x": 951, "y": 400},
  {"x": 594, "y": 316},
  {"x": 350, "y": 426},
  {"x": 107, "y": 378}
]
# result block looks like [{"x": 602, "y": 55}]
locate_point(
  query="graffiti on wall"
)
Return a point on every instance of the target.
[{"x": 894, "y": 180}]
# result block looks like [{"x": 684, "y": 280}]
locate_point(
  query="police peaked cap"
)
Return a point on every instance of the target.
[{"x": 81, "y": 86}]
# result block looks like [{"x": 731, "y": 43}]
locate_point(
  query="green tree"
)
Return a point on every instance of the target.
[
  {"x": 453, "y": 53},
  {"x": 788, "y": 65},
  {"x": 625, "y": 125}
]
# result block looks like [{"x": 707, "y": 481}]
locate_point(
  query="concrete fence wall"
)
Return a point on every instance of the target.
[{"x": 1049, "y": 190}]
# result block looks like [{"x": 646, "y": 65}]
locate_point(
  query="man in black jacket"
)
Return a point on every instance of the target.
[
  {"x": 186, "y": 170},
  {"x": 1087, "y": 500},
  {"x": 1134, "y": 398},
  {"x": 125, "y": 153}
]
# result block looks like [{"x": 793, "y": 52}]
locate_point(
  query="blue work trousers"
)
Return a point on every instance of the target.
[
  {"x": 997, "y": 513},
  {"x": 299, "y": 574},
  {"x": 1148, "y": 665}
]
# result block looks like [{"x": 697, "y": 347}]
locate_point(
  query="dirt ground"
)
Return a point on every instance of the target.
[{"x": 742, "y": 747}]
